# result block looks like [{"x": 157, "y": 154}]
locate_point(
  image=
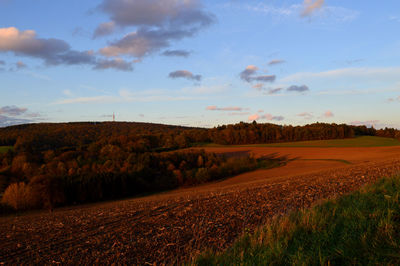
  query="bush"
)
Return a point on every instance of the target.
[{"x": 18, "y": 196}]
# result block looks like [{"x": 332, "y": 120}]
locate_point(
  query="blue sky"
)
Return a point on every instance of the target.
[{"x": 200, "y": 63}]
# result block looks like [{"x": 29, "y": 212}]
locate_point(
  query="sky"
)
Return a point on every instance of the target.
[{"x": 200, "y": 63}]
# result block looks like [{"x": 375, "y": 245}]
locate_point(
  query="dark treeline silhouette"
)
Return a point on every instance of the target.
[
  {"x": 252, "y": 133},
  {"x": 67, "y": 163}
]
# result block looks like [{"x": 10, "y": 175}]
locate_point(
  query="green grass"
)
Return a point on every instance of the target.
[
  {"x": 329, "y": 160},
  {"x": 363, "y": 141},
  {"x": 362, "y": 228},
  {"x": 4, "y": 149}
]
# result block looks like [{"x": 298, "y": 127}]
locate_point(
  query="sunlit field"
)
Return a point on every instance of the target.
[{"x": 362, "y": 141}]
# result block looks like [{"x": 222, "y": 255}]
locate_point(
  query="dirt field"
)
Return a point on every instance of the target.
[{"x": 177, "y": 225}]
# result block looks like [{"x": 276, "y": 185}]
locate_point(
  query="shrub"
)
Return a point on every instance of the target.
[{"x": 18, "y": 196}]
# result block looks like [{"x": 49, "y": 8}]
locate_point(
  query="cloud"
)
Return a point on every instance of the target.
[
  {"x": 13, "y": 115},
  {"x": 181, "y": 53},
  {"x": 269, "y": 117},
  {"x": 116, "y": 63},
  {"x": 12, "y": 110},
  {"x": 6, "y": 121},
  {"x": 276, "y": 62},
  {"x": 306, "y": 115},
  {"x": 20, "y": 65},
  {"x": 320, "y": 13},
  {"x": 296, "y": 88},
  {"x": 394, "y": 99},
  {"x": 184, "y": 74},
  {"x": 144, "y": 41},
  {"x": 328, "y": 114},
  {"x": 248, "y": 75},
  {"x": 229, "y": 108},
  {"x": 157, "y": 22},
  {"x": 264, "y": 78},
  {"x": 126, "y": 96},
  {"x": 274, "y": 91},
  {"x": 248, "y": 72},
  {"x": 2, "y": 62},
  {"x": 310, "y": 6},
  {"x": 67, "y": 92},
  {"x": 207, "y": 89},
  {"x": 258, "y": 86},
  {"x": 351, "y": 72},
  {"x": 51, "y": 51},
  {"x": 354, "y": 61},
  {"x": 103, "y": 29}
]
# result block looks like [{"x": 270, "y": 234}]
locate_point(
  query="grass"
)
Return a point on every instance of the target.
[
  {"x": 4, "y": 149},
  {"x": 362, "y": 228},
  {"x": 362, "y": 141},
  {"x": 329, "y": 160}
]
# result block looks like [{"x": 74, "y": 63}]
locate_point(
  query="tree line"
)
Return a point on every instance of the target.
[{"x": 70, "y": 163}]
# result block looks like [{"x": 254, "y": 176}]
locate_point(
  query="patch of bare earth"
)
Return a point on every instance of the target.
[{"x": 177, "y": 225}]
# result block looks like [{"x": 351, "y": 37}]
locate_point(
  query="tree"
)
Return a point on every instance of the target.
[{"x": 18, "y": 196}]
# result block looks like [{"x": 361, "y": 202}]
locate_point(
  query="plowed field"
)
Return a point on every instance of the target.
[{"x": 177, "y": 225}]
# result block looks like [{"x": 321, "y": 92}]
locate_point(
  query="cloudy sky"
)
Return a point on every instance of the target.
[{"x": 200, "y": 63}]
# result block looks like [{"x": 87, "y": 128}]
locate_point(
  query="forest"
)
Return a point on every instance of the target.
[{"x": 57, "y": 164}]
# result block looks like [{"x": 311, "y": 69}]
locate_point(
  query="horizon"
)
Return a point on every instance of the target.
[
  {"x": 177, "y": 125},
  {"x": 200, "y": 63}
]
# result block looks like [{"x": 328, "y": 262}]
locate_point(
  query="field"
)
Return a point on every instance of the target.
[
  {"x": 362, "y": 141},
  {"x": 359, "y": 228},
  {"x": 178, "y": 225},
  {"x": 5, "y": 148}
]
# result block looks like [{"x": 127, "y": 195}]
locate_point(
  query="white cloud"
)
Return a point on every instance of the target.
[
  {"x": 325, "y": 14},
  {"x": 359, "y": 72},
  {"x": 126, "y": 96}
]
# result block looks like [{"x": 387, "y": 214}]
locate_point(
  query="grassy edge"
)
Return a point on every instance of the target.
[
  {"x": 359, "y": 228},
  {"x": 359, "y": 141},
  {"x": 328, "y": 160}
]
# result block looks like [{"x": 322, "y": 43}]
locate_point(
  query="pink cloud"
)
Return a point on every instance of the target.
[
  {"x": 310, "y": 6},
  {"x": 229, "y": 108},
  {"x": 254, "y": 117},
  {"x": 328, "y": 114},
  {"x": 265, "y": 117}
]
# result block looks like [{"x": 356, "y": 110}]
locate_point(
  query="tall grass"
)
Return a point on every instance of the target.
[{"x": 362, "y": 228}]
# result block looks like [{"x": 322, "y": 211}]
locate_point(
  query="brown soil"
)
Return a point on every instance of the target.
[{"x": 177, "y": 225}]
